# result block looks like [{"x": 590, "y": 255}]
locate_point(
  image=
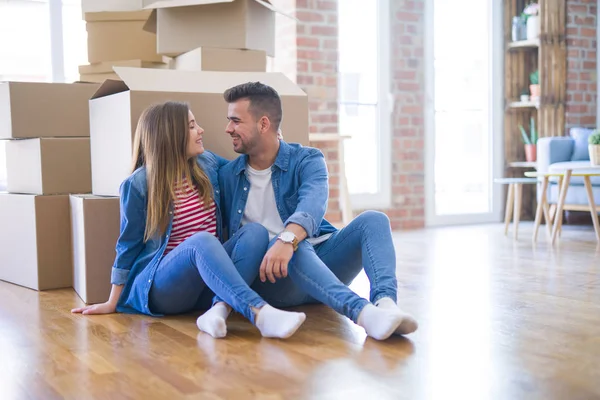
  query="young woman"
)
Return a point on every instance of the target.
[{"x": 168, "y": 252}]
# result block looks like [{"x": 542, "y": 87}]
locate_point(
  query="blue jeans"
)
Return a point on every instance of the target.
[
  {"x": 322, "y": 273},
  {"x": 201, "y": 266}
]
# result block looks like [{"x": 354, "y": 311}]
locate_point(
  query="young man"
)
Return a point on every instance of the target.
[{"x": 285, "y": 188}]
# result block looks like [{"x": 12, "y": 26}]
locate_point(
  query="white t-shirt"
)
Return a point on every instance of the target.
[{"x": 261, "y": 206}]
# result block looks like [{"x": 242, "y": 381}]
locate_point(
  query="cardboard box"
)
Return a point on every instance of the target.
[
  {"x": 49, "y": 166},
  {"x": 211, "y": 59},
  {"x": 117, "y": 106},
  {"x": 184, "y": 25},
  {"x": 93, "y": 6},
  {"x": 35, "y": 109},
  {"x": 36, "y": 241},
  {"x": 95, "y": 223},
  {"x": 114, "y": 36},
  {"x": 99, "y": 72}
]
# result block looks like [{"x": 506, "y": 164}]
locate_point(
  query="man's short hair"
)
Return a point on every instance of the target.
[{"x": 264, "y": 100}]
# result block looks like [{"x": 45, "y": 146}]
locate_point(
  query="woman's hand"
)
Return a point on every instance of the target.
[{"x": 103, "y": 308}]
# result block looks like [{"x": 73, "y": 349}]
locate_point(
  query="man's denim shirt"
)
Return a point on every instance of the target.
[
  {"x": 300, "y": 184},
  {"x": 136, "y": 262}
]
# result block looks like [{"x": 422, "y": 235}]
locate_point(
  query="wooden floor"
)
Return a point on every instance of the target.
[{"x": 500, "y": 319}]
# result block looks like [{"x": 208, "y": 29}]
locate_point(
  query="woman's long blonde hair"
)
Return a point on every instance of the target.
[{"x": 160, "y": 144}]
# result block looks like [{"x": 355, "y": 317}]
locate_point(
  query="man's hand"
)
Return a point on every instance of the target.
[{"x": 275, "y": 262}]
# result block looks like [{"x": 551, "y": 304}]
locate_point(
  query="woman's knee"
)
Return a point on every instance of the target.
[{"x": 202, "y": 240}]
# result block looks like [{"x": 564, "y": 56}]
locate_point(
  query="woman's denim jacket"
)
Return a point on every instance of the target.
[{"x": 136, "y": 261}]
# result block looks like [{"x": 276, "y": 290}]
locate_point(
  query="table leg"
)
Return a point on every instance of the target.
[
  {"x": 593, "y": 212},
  {"x": 517, "y": 211},
  {"x": 561, "y": 203},
  {"x": 510, "y": 198},
  {"x": 541, "y": 207}
]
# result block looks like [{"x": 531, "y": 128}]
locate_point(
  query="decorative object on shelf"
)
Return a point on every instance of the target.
[
  {"x": 532, "y": 13},
  {"x": 530, "y": 141},
  {"x": 594, "y": 148},
  {"x": 534, "y": 87},
  {"x": 519, "y": 28},
  {"x": 524, "y": 96}
]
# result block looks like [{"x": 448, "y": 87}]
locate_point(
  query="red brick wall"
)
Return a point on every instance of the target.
[{"x": 581, "y": 63}]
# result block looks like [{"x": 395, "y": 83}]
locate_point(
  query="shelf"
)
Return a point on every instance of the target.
[
  {"x": 524, "y": 104},
  {"x": 523, "y": 164},
  {"x": 525, "y": 44}
]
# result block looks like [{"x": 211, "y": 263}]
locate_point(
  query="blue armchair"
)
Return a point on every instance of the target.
[{"x": 555, "y": 154}]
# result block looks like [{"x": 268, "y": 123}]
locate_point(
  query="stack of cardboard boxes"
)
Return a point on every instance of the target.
[
  {"x": 198, "y": 35},
  {"x": 46, "y": 126},
  {"x": 60, "y": 224}
]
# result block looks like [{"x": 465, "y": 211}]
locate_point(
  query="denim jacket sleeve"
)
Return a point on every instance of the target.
[
  {"x": 313, "y": 193},
  {"x": 131, "y": 238}
]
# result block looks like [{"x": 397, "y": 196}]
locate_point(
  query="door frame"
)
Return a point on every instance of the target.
[{"x": 496, "y": 125}]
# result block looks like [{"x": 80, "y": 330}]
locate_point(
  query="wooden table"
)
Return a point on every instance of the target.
[
  {"x": 564, "y": 180},
  {"x": 514, "y": 199}
]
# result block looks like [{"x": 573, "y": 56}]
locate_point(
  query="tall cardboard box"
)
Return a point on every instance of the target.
[
  {"x": 117, "y": 106},
  {"x": 183, "y": 25},
  {"x": 113, "y": 36},
  {"x": 35, "y": 237},
  {"x": 49, "y": 166},
  {"x": 95, "y": 230},
  {"x": 35, "y": 109},
  {"x": 211, "y": 59}
]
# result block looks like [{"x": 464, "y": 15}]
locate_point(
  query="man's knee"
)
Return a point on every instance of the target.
[
  {"x": 256, "y": 234},
  {"x": 374, "y": 220}
]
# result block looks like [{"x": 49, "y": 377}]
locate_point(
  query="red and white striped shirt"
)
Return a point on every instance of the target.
[{"x": 190, "y": 216}]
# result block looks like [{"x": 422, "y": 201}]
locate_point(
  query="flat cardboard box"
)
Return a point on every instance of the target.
[
  {"x": 36, "y": 241},
  {"x": 94, "y": 6},
  {"x": 113, "y": 36},
  {"x": 211, "y": 59},
  {"x": 95, "y": 223},
  {"x": 36, "y": 109},
  {"x": 184, "y": 25},
  {"x": 117, "y": 106},
  {"x": 107, "y": 67},
  {"x": 98, "y": 78},
  {"x": 47, "y": 166}
]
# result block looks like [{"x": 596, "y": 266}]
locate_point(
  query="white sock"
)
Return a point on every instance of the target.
[
  {"x": 379, "y": 323},
  {"x": 408, "y": 324},
  {"x": 274, "y": 323},
  {"x": 213, "y": 320}
]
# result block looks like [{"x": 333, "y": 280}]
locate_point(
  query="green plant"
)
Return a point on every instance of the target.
[
  {"x": 594, "y": 138},
  {"x": 533, "y": 137},
  {"x": 534, "y": 77}
]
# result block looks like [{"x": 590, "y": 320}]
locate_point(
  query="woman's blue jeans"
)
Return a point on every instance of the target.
[
  {"x": 201, "y": 266},
  {"x": 322, "y": 272}
]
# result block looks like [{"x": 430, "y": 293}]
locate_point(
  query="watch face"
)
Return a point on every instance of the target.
[{"x": 287, "y": 236}]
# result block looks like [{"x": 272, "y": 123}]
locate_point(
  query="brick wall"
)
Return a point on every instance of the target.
[
  {"x": 581, "y": 63},
  {"x": 316, "y": 73}
]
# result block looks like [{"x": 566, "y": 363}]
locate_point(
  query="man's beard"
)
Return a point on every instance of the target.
[{"x": 249, "y": 145}]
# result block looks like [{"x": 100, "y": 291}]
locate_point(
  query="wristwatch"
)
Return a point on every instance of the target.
[{"x": 289, "y": 237}]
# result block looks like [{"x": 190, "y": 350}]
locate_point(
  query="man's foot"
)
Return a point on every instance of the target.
[
  {"x": 213, "y": 321},
  {"x": 274, "y": 323},
  {"x": 408, "y": 324},
  {"x": 379, "y": 323}
]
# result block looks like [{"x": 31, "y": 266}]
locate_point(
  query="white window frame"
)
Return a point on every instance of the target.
[{"x": 383, "y": 198}]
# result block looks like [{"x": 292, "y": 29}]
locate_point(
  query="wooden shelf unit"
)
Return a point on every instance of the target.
[{"x": 548, "y": 54}]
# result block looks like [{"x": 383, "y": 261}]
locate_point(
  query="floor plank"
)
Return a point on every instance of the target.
[{"x": 499, "y": 319}]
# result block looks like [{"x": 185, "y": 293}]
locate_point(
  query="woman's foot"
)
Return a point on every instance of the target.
[
  {"x": 408, "y": 324},
  {"x": 379, "y": 323},
  {"x": 213, "y": 320},
  {"x": 274, "y": 323}
]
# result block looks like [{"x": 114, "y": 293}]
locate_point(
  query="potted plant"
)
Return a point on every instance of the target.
[
  {"x": 532, "y": 12},
  {"x": 594, "y": 148},
  {"x": 524, "y": 95},
  {"x": 530, "y": 141},
  {"x": 534, "y": 87}
]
